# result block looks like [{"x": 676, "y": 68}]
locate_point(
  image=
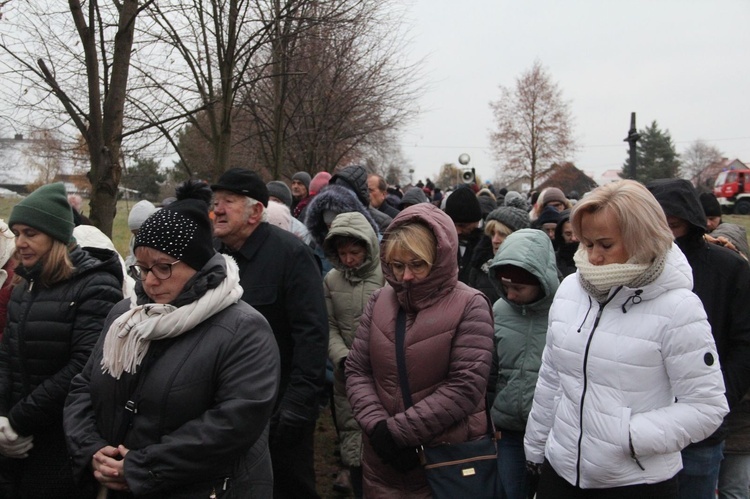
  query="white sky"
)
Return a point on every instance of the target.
[{"x": 683, "y": 63}]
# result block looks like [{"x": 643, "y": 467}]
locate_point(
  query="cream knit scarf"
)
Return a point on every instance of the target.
[
  {"x": 598, "y": 280},
  {"x": 129, "y": 336}
]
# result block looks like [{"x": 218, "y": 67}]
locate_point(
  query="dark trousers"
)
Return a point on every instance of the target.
[
  {"x": 294, "y": 466},
  {"x": 552, "y": 486}
]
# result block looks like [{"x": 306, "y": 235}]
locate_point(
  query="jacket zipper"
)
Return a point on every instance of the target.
[
  {"x": 586, "y": 381},
  {"x": 21, "y": 342}
]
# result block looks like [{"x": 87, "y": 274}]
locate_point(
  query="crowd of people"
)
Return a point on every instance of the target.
[{"x": 604, "y": 340}]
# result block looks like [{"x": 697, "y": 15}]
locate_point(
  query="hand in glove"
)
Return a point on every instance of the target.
[
  {"x": 11, "y": 445},
  {"x": 382, "y": 442},
  {"x": 406, "y": 460},
  {"x": 402, "y": 459},
  {"x": 289, "y": 427}
]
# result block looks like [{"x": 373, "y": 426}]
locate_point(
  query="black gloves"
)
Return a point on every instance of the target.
[
  {"x": 289, "y": 428},
  {"x": 402, "y": 459},
  {"x": 533, "y": 469}
]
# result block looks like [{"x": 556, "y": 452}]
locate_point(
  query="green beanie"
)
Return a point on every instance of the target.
[{"x": 47, "y": 210}]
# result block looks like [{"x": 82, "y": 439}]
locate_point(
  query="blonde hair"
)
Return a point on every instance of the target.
[
  {"x": 493, "y": 226},
  {"x": 415, "y": 238},
  {"x": 56, "y": 265},
  {"x": 643, "y": 225}
]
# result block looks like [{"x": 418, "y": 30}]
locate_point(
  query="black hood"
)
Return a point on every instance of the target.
[{"x": 678, "y": 198}]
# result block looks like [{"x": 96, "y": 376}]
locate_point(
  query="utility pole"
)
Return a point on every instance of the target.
[{"x": 631, "y": 139}]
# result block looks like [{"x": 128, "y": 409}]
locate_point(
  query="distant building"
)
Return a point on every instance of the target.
[
  {"x": 608, "y": 177},
  {"x": 567, "y": 178}
]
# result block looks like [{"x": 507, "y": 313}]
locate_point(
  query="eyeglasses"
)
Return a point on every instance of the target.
[
  {"x": 417, "y": 267},
  {"x": 161, "y": 271}
]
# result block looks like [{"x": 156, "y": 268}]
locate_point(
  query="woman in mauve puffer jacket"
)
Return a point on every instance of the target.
[{"x": 448, "y": 352}]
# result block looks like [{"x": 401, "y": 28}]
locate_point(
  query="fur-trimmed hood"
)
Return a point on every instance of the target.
[{"x": 338, "y": 199}]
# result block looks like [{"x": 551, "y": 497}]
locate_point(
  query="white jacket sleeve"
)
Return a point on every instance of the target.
[{"x": 692, "y": 365}]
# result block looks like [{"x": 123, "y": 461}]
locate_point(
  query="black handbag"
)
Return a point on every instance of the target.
[{"x": 466, "y": 469}]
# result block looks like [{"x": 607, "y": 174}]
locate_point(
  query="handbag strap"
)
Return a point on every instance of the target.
[{"x": 403, "y": 380}]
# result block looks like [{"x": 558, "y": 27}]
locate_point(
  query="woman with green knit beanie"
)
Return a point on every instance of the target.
[{"x": 55, "y": 315}]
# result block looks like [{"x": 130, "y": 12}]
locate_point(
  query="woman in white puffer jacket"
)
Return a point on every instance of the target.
[{"x": 630, "y": 373}]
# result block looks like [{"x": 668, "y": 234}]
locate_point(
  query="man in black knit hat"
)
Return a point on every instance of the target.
[{"x": 464, "y": 209}]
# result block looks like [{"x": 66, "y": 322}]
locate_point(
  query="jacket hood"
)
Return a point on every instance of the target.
[
  {"x": 443, "y": 276},
  {"x": 531, "y": 250},
  {"x": 564, "y": 217},
  {"x": 412, "y": 196},
  {"x": 337, "y": 199},
  {"x": 353, "y": 225},
  {"x": 678, "y": 198},
  {"x": 354, "y": 178},
  {"x": 85, "y": 261}
]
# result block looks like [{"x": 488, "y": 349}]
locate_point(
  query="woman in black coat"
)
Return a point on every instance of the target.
[
  {"x": 176, "y": 398},
  {"x": 55, "y": 315}
]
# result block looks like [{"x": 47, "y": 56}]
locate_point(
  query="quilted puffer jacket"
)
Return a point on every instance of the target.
[
  {"x": 347, "y": 292},
  {"x": 639, "y": 367},
  {"x": 448, "y": 350}
]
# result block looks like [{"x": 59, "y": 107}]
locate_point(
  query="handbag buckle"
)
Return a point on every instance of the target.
[{"x": 468, "y": 472}]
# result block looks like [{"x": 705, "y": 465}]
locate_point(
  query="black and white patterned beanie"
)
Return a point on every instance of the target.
[{"x": 182, "y": 230}]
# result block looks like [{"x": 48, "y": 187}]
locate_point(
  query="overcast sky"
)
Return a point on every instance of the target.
[{"x": 683, "y": 63}]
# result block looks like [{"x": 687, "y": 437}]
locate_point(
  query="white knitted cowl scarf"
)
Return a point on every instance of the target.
[
  {"x": 130, "y": 335},
  {"x": 598, "y": 280}
]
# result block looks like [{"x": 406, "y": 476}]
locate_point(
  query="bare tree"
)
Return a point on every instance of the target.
[
  {"x": 336, "y": 87},
  {"x": 696, "y": 157},
  {"x": 450, "y": 175},
  {"x": 73, "y": 62},
  {"x": 45, "y": 155},
  {"x": 209, "y": 48},
  {"x": 534, "y": 127}
]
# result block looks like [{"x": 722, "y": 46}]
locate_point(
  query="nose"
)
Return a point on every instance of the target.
[
  {"x": 408, "y": 274},
  {"x": 596, "y": 257},
  {"x": 511, "y": 295},
  {"x": 574, "y": 239},
  {"x": 151, "y": 280}
]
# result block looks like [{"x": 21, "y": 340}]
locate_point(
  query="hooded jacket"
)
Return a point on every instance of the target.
[
  {"x": 339, "y": 200},
  {"x": 521, "y": 330},
  {"x": 564, "y": 252},
  {"x": 355, "y": 179},
  {"x": 412, "y": 196},
  {"x": 48, "y": 339},
  {"x": 639, "y": 367},
  {"x": 203, "y": 401},
  {"x": 50, "y": 334},
  {"x": 448, "y": 350},
  {"x": 347, "y": 292},
  {"x": 722, "y": 282}
]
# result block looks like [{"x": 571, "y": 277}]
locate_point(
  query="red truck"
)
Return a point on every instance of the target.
[{"x": 732, "y": 189}]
